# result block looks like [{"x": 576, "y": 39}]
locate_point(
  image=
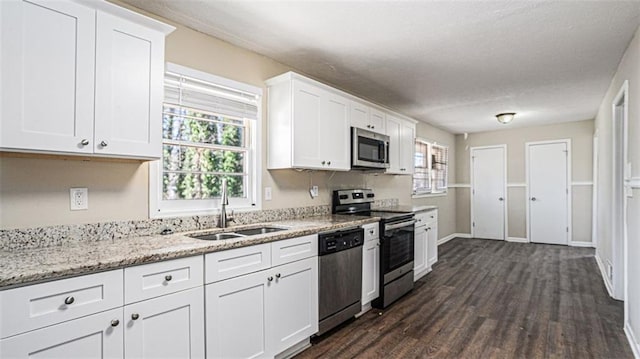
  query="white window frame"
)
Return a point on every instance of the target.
[
  {"x": 433, "y": 191},
  {"x": 159, "y": 208}
]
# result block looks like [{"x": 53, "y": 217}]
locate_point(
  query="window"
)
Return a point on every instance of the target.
[
  {"x": 209, "y": 132},
  {"x": 430, "y": 168}
]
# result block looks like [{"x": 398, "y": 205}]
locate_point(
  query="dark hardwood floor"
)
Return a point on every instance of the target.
[{"x": 492, "y": 299}]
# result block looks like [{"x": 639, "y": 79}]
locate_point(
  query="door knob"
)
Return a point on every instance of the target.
[{"x": 533, "y": 199}]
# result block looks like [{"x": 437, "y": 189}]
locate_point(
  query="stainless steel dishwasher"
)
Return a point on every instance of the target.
[{"x": 340, "y": 276}]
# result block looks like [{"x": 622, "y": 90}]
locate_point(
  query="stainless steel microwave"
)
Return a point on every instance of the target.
[{"x": 369, "y": 149}]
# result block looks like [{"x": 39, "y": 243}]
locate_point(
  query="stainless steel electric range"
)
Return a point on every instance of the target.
[{"x": 396, "y": 242}]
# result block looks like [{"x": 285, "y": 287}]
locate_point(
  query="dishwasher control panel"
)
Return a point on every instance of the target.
[{"x": 336, "y": 241}]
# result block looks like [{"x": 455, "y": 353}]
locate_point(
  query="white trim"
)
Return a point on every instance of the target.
[
  {"x": 428, "y": 195},
  {"x": 619, "y": 254},
  {"x": 446, "y": 239},
  {"x": 517, "y": 240},
  {"x": 603, "y": 273},
  {"x": 459, "y": 185},
  {"x": 594, "y": 193},
  {"x": 505, "y": 212},
  {"x": 633, "y": 341},
  {"x": 218, "y": 80},
  {"x": 581, "y": 244},
  {"x": 582, "y": 183},
  {"x": 634, "y": 182},
  {"x": 516, "y": 185},
  {"x": 527, "y": 146}
]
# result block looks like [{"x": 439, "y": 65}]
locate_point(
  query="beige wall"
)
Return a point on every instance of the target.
[
  {"x": 447, "y": 203},
  {"x": 35, "y": 190},
  {"x": 581, "y": 135},
  {"x": 628, "y": 69}
]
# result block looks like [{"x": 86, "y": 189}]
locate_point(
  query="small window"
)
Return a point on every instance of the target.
[
  {"x": 430, "y": 168},
  {"x": 209, "y": 132}
]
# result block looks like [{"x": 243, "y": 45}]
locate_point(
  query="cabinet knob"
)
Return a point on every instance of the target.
[
  {"x": 329, "y": 163},
  {"x": 533, "y": 199},
  {"x": 323, "y": 163},
  {"x": 371, "y": 231},
  {"x": 104, "y": 144},
  {"x": 372, "y": 127},
  {"x": 270, "y": 279},
  {"x": 500, "y": 199},
  {"x": 84, "y": 142},
  {"x": 115, "y": 322},
  {"x": 368, "y": 126},
  {"x": 135, "y": 316},
  {"x": 168, "y": 277},
  {"x": 419, "y": 219},
  {"x": 278, "y": 275},
  {"x": 69, "y": 300}
]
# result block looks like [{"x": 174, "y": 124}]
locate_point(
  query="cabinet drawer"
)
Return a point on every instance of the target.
[
  {"x": 371, "y": 231},
  {"x": 156, "y": 279},
  {"x": 236, "y": 262},
  {"x": 40, "y": 305},
  {"x": 294, "y": 249},
  {"x": 423, "y": 217}
]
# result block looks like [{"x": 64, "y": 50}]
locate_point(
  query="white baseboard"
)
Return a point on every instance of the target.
[
  {"x": 517, "y": 240},
  {"x": 581, "y": 244},
  {"x": 635, "y": 346},
  {"x": 605, "y": 278},
  {"x": 446, "y": 239}
]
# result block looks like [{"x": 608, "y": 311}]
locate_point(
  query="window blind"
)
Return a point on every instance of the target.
[{"x": 190, "y": 92}]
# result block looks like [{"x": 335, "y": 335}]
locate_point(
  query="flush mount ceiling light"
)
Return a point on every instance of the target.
[{"x": 506, "y": 117}]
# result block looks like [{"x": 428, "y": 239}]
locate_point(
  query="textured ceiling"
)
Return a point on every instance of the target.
[{"x": 454, "y": 64}]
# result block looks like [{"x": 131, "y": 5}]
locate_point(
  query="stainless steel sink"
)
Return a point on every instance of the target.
[
  {"x": 260, "y": 230},
  {"x": 217, "y": 236},
  {"x": 238, "y": 233}
]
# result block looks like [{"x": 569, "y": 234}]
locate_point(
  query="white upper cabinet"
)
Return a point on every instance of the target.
[
  {"x": 368, "y": 118},
  {"x": 401, "y": 145},
  {"x": 308, "y": 125},
  {"x": 80, "y": 78}
]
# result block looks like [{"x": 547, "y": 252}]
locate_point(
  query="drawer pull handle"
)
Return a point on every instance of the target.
[
  {"x": 69, "y": 300},
  {"x": 135, "y": 316},
  {"x": 168, "y": 277},
  {"x": 270, "y": 279},
  {"x": 278, "y": 275},
  {"x": 115, "y": 322}
]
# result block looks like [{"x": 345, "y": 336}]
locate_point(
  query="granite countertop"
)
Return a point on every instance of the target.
[
  {"x": 406, "y": 208},
  {"x": 26, "y": 266}
]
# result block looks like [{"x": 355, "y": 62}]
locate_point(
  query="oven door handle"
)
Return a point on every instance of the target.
[{"x": 399, "y": 225}]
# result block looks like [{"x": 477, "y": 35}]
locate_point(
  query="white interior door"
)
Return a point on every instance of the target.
[
  {"x": 548, "y": 184},
  {"x": 488, "y": 193}
]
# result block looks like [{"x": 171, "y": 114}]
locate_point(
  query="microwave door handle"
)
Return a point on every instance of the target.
[{"x": 385, "y": 151}]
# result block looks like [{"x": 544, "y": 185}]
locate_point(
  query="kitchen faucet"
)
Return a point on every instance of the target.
[{"x": 224, "y": 202}]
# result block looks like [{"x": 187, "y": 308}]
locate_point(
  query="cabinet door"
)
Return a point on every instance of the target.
[
  {"x": 432, "y": 243},
  {"x": 359, "y": 116},
  {"x": 420, "y": 253},
  {"x": 306, "y": 126},
  {"x": 129, "y": 91},
  {"x": 47, "y": 66},
  {"x": 407, "y": 147},
  {"x": 377, "y": 121},
  {"x": 293, "y": 303},
  {"x": 94, "y": 336},
  {"x": 370, "y": 270},
  {"x": 334, "y": 132},
  {"x": 393, "y": 131},
  {"x": 235, "y": 317},
  {"x": 171, "y": 326}
]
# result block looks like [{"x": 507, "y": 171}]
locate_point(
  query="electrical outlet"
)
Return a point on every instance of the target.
[
  {"x": 313, "y": 191},
  {"x": 79, "y": 199},
  {"x": 267, "y": 193}
]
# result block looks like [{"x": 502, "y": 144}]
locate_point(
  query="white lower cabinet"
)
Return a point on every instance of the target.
[
  {"x": 432, "y": 243},
  {"x": 95, "y": 336},
  {"x": 420, "y": 252},
  {"x": 264, "y": 313},
  {"x": 370, "y": 264},
  {"x": 170, "y": 326}
]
